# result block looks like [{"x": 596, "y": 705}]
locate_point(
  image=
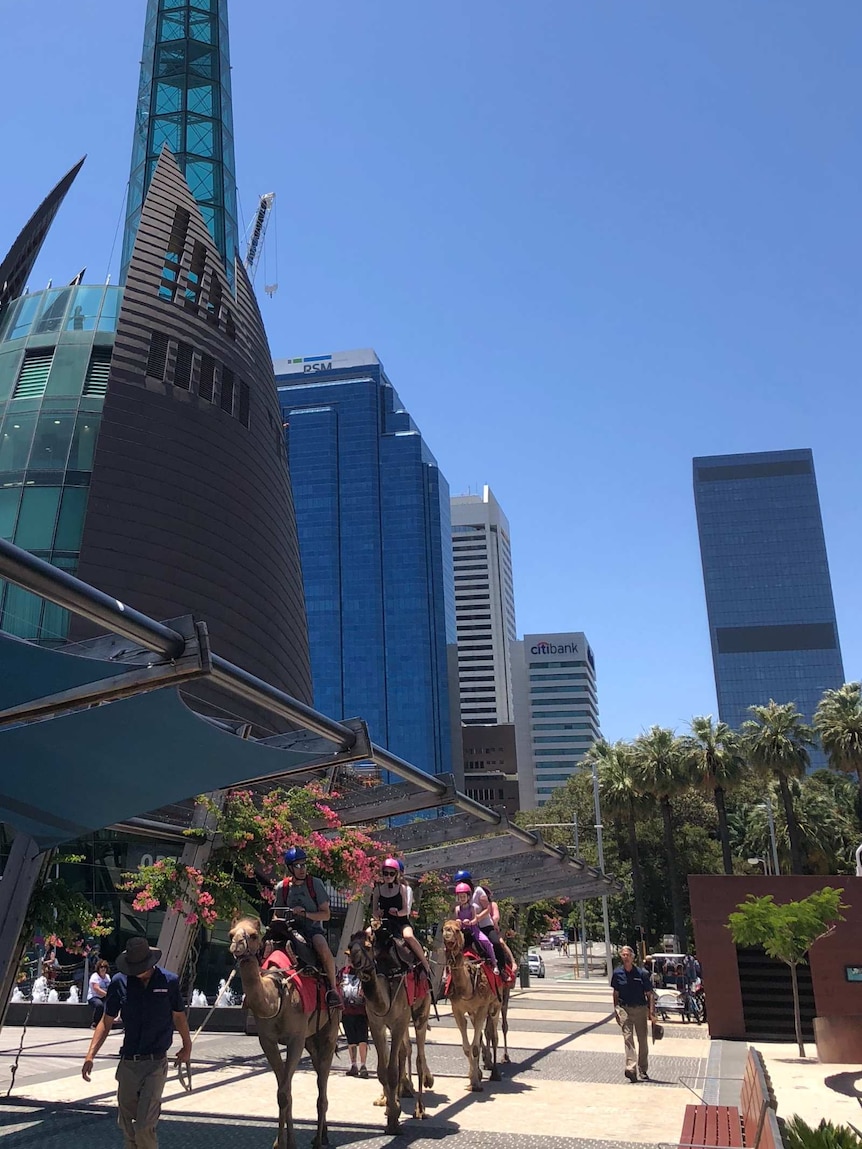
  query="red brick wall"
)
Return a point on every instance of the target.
[{"x": 714, "y": 897}]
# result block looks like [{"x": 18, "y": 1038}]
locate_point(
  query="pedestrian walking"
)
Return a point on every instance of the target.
[
  {"x": 98, "y": 991},
  {"x": 355, "y": 1020},
  {"x": 152, "y": 1005},
  {"x": 634, "y": 1006}
]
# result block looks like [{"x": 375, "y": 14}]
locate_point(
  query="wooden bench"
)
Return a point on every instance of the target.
[{"x": 752, "y": 1125}]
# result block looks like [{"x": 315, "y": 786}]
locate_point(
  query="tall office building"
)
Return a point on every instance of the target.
[
  {"x": 556, "y": 711},
  {"x": 484, "y": 608},
  {"x": 372, "y": 512},
  {"x": 768, "y": 593},
  {"x": 141, "y": 442}
]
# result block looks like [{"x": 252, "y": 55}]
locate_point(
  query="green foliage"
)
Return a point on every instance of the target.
[
  {"x": 799, "y": 1135},
  {"x": 787, "y": 930},
  {"x": 776, "y": 739},
  {"x": 63, "y": 916},
  {"x": 838, "y": 721},
  {"x": 433, "y": 903}
]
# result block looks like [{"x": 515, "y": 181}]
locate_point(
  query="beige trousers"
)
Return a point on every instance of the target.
[
  {"x": 140, "y": 1085},
  {"x": 633, "y": 1019}
]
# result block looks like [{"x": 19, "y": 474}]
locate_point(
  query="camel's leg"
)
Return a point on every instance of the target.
[
  {"x": 491, "y": 1032},
  {"x": 292, "y": 1056},
  {"x": 273, "y": 1056},
  {"x": 378, "y": 1036},
  {"x": 405, "y": 1085},
  {"x": 321, "y": 1046},
  {"x": 504, "y": 1024},
  {"x": 475, "y": 1062},
  {"x": 474, "y": 1077},
  {"x": 420, "y": 1024},
  {"x": 393, "y": 1073}
]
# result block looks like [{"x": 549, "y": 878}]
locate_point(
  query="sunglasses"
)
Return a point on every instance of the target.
[{"x": 389, "y": 873}]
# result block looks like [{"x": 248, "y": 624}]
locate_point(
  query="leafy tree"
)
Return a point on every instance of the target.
[
  {"x": 838, "y": 721},
  {"x": 776, "y": 741},
  {"x": 661, "y": 770},
  {"x": 620, "y": 796},
  {"x": 717, "y": 765},
  {"x": 787, "y": 931}
]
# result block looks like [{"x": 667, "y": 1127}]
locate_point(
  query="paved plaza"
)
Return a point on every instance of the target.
[{"x": 564, "y": 1088}]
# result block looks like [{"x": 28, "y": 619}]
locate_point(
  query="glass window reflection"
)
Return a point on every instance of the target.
[
  {"x": 85, "y": 309},
  {"x": 70, "y": 525},
  {"x": 110, "y": 310},
  {"x": 10, "y": 497},
  {"x": 38, "y": 515},
  {"x": 51, "y": 442},
  {"x": 25, "y": 316},
  {"x": 83, "y": 443},
  {"x": 21, "y": 612},
  {"x": 53, "y": 311},
  {"x": 15, "y": 441}
]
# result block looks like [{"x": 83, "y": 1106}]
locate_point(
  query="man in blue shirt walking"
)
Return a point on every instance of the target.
[
  {"x": 634, "y": 1005},
  {"x": 152, "y": 1006}
]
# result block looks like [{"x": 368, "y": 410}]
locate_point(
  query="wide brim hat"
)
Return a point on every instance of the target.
[{"x": 137, "y": 957}]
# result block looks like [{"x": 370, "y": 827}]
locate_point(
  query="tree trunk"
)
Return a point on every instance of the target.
[
  {"x": 797, "y": 1013},
  {"x": 792, "y": 826},
  {"x": 637, "y": 877},
  {"x": 673, "y": 876},
  {"x": 723, "y": 832}
]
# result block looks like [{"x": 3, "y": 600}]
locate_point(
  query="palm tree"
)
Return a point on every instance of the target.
[
  {"x": 838, "y": 721},
  {"x": 661, "y": 771},
  {"x": 619, "y": 796},
  {"x": 717, "y": 766},
  {"x": 776, "y": 741}
]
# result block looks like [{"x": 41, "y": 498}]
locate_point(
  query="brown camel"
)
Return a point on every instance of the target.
[
  {"x": 275, "y": 1002},
  {"x": 389, "y": 1011},
  {"x": 471, "y": 997}
]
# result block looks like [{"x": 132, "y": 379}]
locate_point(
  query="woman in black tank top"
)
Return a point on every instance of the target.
[{"x": 389, "y": 904}]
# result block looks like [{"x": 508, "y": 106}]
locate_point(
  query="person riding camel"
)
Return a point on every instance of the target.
[
  {"x": 482, "y": 913},
  {"x": 464, "y": 913},
  {"x": 390, "y": 904},
  {"x": 308, "y": 901}
]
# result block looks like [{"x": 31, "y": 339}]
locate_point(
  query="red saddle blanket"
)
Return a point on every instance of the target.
[
  {"x": 312, "y": 992},
  {"x": 495, "y": 981},
  {"x": 416, "y": 984}
]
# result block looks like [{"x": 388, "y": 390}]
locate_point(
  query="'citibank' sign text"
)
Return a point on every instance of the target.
[{"x": 552, "y": 648}]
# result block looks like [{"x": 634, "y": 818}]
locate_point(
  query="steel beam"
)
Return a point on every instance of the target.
[
  {"x": 434, "y": 831},
  {"x": 24, "y": 868},
  {"x": 465, "y": 854}
]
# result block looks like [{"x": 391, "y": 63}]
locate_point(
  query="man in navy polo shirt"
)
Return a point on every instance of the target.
[
  {"x": 152, "y": 1007},
  {"x": 634, "y": 1005}
]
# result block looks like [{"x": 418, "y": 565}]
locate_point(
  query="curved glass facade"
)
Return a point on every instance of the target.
[{"x": 55, "y": 356}]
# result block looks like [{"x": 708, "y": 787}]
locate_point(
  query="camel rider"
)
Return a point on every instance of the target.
[
  {"x": 307, "y": 899},
  {"x": 389, "y": 903},
  {"x": 483, "y": 920},
  {"x": 406, "y": 885}
]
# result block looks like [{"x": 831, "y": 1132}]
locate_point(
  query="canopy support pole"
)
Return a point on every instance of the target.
[{"x": 25, "y": 867}]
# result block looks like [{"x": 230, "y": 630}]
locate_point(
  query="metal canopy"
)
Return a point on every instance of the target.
[
  {"x": 434, "y": 832},
  {"x": 145, "y": 780},
  {"x": 481, "y": 851}
]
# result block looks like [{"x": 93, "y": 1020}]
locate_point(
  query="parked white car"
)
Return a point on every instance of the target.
[{"x": 536, "y": 963}]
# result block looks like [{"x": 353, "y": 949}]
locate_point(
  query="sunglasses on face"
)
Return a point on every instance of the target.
[{"x": 389, "y": 873}]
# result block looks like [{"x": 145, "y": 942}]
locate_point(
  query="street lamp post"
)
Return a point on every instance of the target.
[
  {"x": 760, "y": 862},
  {"x": 608, "y": 962},
  {"x": 767, "y": 806},
  {"x": 569, "y": 826}
]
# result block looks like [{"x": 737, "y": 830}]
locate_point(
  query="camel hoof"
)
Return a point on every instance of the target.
[
  {"x": 495, "y": 1074},
  {"x": 507, "y": 1059},
  {"x": 476, "y": 1088},
  {"x": 428, "y": 1081},
  {"x": 381, "y": 1100},
  {"x": 393, "y": 1128}
]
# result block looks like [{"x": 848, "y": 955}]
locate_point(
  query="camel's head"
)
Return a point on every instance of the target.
[
  {"x": 246, "y": 937},
  {"x": 360, "y": 953},
  {"x": 453, "y": 938}
]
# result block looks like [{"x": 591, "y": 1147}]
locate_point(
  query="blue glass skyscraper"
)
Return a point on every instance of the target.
[
  {"x": 372, "y": 511},
  {"x": 768, "y": 592}
]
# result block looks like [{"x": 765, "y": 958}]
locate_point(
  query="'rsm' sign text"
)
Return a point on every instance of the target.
[{"x": 554, "y": 648}]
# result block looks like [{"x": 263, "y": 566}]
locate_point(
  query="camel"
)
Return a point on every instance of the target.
[
  {"x": 471, "y": 997},
  {"x": 388, "y": 1009},
  {"x": 504, "y": 1029},
  {"x": 281, "y": 1020}
]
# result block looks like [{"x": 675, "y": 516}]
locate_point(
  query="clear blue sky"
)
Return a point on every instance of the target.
[{"x": 588, "y": 241}]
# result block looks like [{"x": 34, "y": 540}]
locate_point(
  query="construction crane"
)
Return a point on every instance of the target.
[{"x": 256, "y": 238}]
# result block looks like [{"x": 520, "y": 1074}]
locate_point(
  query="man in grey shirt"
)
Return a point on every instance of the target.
[{"x": 308, "y": 901}]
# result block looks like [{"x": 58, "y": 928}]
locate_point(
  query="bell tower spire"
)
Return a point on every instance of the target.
[{"x": 184, "y": 103}]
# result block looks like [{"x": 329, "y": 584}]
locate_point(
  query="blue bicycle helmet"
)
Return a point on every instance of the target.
[
  {"x": 462, "y": 876},
  {"x": 295, "y": 854},
  {"x": 401, "y": 865}
]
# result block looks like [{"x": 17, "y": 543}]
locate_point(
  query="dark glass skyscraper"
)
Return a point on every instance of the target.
[
  {"x": 766, "y": 576},
  {"x": 372, "y": 514}
]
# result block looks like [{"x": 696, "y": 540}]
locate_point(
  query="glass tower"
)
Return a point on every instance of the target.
[
  {"x": 372, "y": 513},
  {"x": 184, "y": 103},
  {"x": 766, "y": 575}
]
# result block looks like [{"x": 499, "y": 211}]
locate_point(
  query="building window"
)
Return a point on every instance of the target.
[
  {"x": 98, "y": 373},
  {"x": 226, "y": 397},
  {"x": 158, "y": 355},
  {"x": 34, "y": 375},
  {"x": 206, "y": 381},
  {"x": 174, "y": 255},
  {"x": 195, "y": 276},
  {"x": 244, "y": 403},
  {"x": 183, "y": 366}
]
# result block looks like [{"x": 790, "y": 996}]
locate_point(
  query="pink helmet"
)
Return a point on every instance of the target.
[
  {"x": 463, "y": 888},
  {"x": 390, "y": 864}
]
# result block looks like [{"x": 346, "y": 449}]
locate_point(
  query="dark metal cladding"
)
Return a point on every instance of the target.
[
  {"x": 18, "y": 262},
  {"x": 190, "y": 505}
]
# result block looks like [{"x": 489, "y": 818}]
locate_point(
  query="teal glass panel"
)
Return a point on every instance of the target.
[
  {"x": 171, "y": 60},
  {"x": 200, "y": 175},
  {"x": 25, "y": 316},
  {"x": 8, "y": 319},
  {"x": 83, "y": 442},
  {"x": 110, "y": 310},
  {"x": 166, "y": 130},
  {"x": 168, "y": 4},
  {"x": 15, "y": 439},
  {"x": 68, "y": 367},
  {"x": 55, "y": 622},
  {"x": 172, "y": 27},
  {"x": 169, "y": 98},
  {"x": 21, "y": 612},
  {"x": 85, "y": 308},
  {"x": 53, "y": 311},
  {"x": 200, "y": 137},
  {"x": 51, "y": 441},
  {"x": 10, "y": 497},
  {"x": 70, "y": 525},
  {"x": 202, "y": 27},
  {"x": 10, "y": 365},
  {"x": 200, "y": 99},
  {"x": 202, "y": 60},
  {"x": 35, "y": 530}
]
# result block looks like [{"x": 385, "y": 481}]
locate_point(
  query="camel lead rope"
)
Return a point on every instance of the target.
[{"x": 184, "y": 1068}]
